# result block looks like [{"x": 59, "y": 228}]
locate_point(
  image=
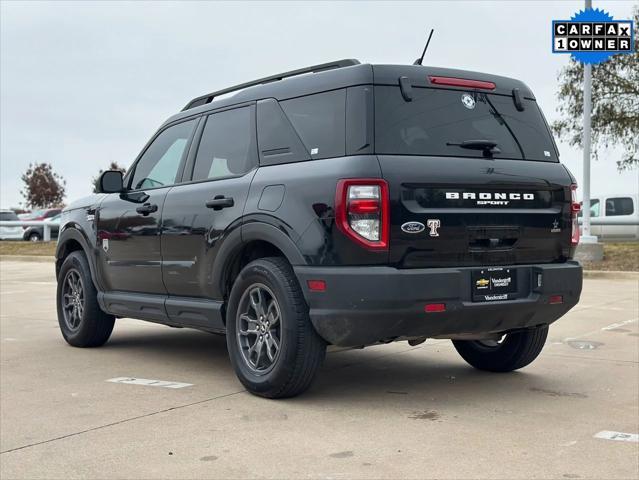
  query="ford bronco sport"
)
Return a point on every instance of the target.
[{"x": 342, "y": 204}]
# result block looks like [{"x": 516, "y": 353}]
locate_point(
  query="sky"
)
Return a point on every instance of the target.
[{"x": 83, "y": 84}]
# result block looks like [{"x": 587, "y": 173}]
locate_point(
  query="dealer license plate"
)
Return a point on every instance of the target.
[{"x": 494, "y": 284}]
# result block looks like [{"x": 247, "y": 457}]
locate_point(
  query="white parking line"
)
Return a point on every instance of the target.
[
  {"x": 618, "y": 436},
  {"x": 148, "y": 382},
  {"x": 620, "y": 324},
  {"x": 603, "y": 329}
]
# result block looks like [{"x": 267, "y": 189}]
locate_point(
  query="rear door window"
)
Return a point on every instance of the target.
[
  {"x": 619, "y": 206},
  {"x": 320, "y": 122},
  {"x": 227, "y": 147},
  {"x": 437, "y": 121}
]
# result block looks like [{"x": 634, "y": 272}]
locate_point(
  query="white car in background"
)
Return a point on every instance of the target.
[
  {"x": 10, "y": 233},
  {"x": 607, "y": 211}
]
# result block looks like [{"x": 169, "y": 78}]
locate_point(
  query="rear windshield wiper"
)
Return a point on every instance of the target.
[{"x": 488, "y": 147}]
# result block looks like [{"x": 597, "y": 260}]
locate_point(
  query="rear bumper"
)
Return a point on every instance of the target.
[{"x": 366, "y": 305}]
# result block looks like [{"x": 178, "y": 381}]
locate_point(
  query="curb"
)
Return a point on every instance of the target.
[
  {"x": 611, "y": 274},
  {"x": 27, "y": 258}
]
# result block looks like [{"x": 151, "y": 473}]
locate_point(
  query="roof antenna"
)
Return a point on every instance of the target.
[{"x": 420, "y": 59}]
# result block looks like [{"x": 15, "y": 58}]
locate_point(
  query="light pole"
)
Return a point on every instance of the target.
[{"x": 586, "y": 237}]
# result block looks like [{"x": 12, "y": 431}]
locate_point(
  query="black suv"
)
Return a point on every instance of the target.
[{"x": 342, "y": 204}]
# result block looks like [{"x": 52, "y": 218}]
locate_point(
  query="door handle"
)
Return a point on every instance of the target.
[
  {"x": 220, "y": 202},
  {"x": 147, "y": 208}
]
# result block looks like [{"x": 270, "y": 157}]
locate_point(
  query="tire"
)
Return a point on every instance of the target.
[
  {"x": 515, "y": 351},
  {"x": 34, "y": 237},
  {"x": 82, "y": 322},
  {"x": 266, "y": 371}
]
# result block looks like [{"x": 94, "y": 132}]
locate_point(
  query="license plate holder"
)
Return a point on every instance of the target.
[{"x": 493, "y": 284}]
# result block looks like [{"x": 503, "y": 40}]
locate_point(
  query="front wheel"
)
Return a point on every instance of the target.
[
  {"x": 273, "y": 347},
  {"x": 513, "y": 351},
  {"x": 82, "y": 322},
  {"x": 34, "y": 237}
]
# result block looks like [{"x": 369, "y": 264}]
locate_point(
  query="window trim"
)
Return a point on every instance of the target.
[
  {"x": 189, "y": 170},
  {"x": 180, "y": 171}
]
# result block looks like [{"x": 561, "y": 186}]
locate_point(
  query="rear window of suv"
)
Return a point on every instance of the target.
[{"x": 436, "y": 121}]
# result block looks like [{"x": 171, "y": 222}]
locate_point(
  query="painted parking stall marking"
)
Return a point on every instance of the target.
[
  {"x": 618, "y": 436},
  {"x": 149, "y": 383}
]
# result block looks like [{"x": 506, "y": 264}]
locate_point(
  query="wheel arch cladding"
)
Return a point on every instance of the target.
[
  {"x": 72, "y": 240},
  {"x": 242, "y": 256}
]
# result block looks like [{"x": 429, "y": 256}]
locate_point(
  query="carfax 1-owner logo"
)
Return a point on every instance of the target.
[{"x": 592, "y": 36}]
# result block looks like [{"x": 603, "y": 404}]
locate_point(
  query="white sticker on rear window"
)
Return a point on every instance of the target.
[{"x": 546, "y": 153}]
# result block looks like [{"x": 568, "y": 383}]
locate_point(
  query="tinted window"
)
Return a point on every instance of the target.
[
  {"x": 528, "y": 126},
  {"x": 619, "y": 206},
  {"x": 277, "y": 140},
  {"x": 319, "y": 120},
  {"x": 227, "y": 147},
  {"x": 8, "y": 216},
  {"x": 160, "y": 162},
  {"x": 437, "y": 121}
]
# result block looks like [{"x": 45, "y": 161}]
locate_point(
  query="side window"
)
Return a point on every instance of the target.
[
  {"x": 160, "y": 162},
  {"x": 320, "y": 122},
  {"x": 227, "y": 147},
  {"x": 619, "y": 206},
  {"x": 594, "y": 208}
]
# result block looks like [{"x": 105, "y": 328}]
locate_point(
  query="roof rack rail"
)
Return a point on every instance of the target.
[{"x": 208, "y": 98}]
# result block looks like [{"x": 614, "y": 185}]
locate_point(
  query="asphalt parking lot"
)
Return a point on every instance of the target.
[{"x": 392, "y": 411}]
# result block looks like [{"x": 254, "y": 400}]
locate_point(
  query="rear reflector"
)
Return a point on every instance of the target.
[
  {"x": 462, "y": 82},
  {"x": 316, "y": 285},
  {"x": 555, "y": 299},
  {"x": 575, "y": 208},
  {"x": 435, "y": 307}
]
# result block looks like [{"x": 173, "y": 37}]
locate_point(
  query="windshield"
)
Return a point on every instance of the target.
[
  {"x": 35, "y": 214},
  {"x": 450, "y": 122}
]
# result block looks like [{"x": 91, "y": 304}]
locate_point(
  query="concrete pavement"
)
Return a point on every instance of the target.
[{"x": 391, "y": 411}]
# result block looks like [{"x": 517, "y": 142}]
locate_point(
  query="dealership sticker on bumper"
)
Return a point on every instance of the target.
[{"x": 493, "y": 284}]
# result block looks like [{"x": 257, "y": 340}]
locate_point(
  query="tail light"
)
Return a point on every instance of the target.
[
  {"x": 575, "y": 208},
  {"x": 362, "y": 213}
]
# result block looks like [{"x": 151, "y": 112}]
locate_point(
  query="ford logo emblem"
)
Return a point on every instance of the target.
[{"x": 413, "y": 227}]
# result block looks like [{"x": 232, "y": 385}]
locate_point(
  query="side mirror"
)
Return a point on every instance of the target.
[{"x": 110, "y": 182}]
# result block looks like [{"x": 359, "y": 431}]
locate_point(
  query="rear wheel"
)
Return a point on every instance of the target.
[
  {"x": 34, "y": 237},
  {"x": 511, "y": 352},
  {"x": 82, "y": 322},
  {"x": 273, "y": 347}
]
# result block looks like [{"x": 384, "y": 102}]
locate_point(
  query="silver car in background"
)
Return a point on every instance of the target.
[
  {"x": 10, "y": 233},
  {"x": 615, "y": 217}
]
